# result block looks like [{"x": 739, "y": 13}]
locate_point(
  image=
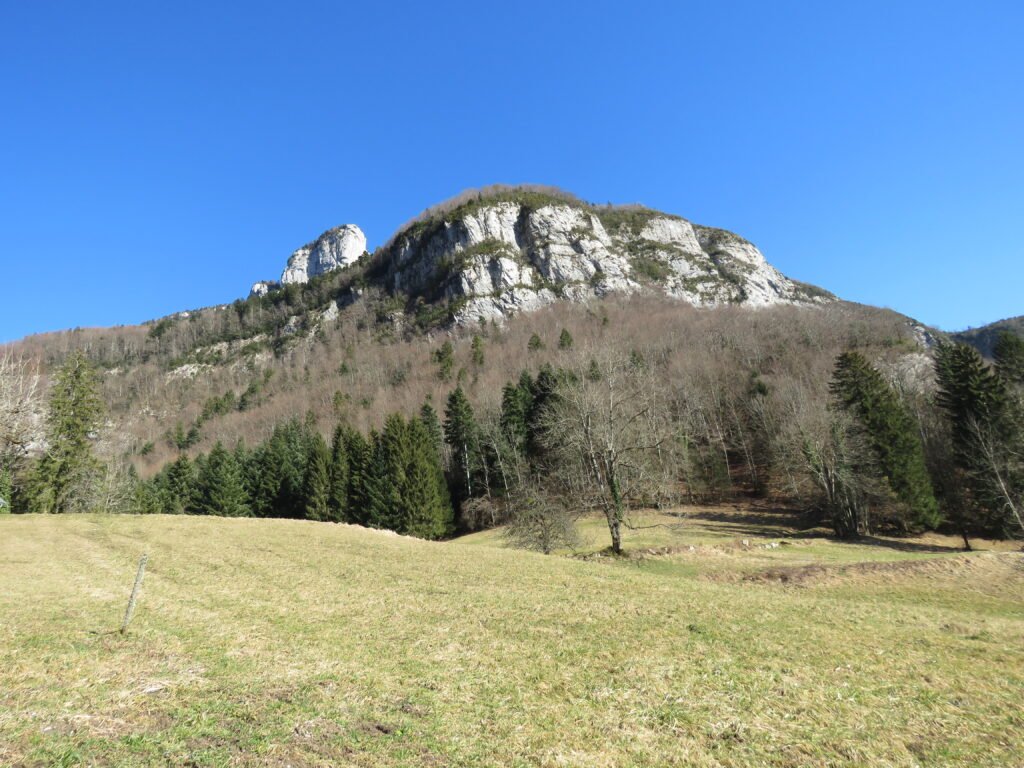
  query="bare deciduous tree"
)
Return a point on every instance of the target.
[
  {"x": 827, "y": 459},
  {"x": 540, "y": 521},
  {"x": 1001, "y": 462},
  {"x": 20, "y": 406},
  {"x": 611, "y": 435}
]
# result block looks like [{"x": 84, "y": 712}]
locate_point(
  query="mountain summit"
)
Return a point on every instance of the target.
[{"x": 496, "y": 252}]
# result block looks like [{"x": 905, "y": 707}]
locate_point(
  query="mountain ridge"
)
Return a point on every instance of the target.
[{"x": 491, "y": 253}]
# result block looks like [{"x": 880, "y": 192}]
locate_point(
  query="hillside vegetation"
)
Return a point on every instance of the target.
[
  {"x": 290, "y": 643},
  {"x": 984, "y": 338}
]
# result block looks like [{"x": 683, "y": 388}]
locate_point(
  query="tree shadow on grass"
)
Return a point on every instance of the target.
[
  {"x": 765, "y": 522},
  {"x": 899, "y": 545}
]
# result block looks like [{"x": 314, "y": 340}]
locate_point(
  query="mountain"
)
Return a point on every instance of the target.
[
  {"x": 490, "y": 254},
  {"x": 984, "y": 338},
  {"x": 353, "y": 336}
]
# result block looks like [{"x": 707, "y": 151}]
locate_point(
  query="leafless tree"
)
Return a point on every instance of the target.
[
  {"x": 830, "y": 463},
  {"x": 610, "y": 433},
  {"x": 20, "y": 406},
  {"x": 111, "y": 489},
  {"x": 1000, "y": 461},
  {"x": 540, "y": 521}
]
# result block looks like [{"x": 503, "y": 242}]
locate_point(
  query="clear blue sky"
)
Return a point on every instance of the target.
[{"x": 161, "y": 156}]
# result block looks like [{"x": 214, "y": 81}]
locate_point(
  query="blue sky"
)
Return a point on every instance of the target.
[{"x": 161, "y": 156}]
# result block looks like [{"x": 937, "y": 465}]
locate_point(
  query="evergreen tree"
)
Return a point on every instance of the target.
[
  {"x": 376, "y": 483},
  {"x": 534, "y": 343},
  {"x": 516, "y": 401},
  {"x": 65, "y": 473},
  {"x": 176, "y": 487},
  {"x": 433, "y": 426},
  {"x": 428, "y": 510},
  {"x": 264, "y": 473},
  {"x": 986, "y": 435},
  {"x": 544, "y": 395},
  {"x": 565, "y": 340},
  {"x": 892, "y": 434},
  {"x": 1009, "y": 357},
  {"x": 244, "y": 460},
  {"x": 444, "y": 356},
  {"x": 146, "y": 498},
  {"x": 360, "y": 459},
  {"x": 477, "y": 351},
  {"x": 388, "y": 479},
  {"x": 220, "y": 488},
  {"x": 337, "y": 500},
  {"x": 177, "y": 438},
  {"x": 317, "y": 485},
  {"x": 290, "y": 450},
  {"x": 460, "y": 432}
]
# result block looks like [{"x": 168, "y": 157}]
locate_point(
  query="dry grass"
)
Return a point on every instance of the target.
[{"x": 293, "y": 643}]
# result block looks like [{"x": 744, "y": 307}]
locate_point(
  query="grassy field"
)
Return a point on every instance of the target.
[{"x": 727, "y": 638}]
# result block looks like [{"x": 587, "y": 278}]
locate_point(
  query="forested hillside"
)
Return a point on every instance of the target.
[
  {"x": 371, "y": 393},
  {"x": 733, "y": 402}
]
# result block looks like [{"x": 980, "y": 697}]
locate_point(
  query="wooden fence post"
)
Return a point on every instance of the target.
[{"x": 135, "y": 593}]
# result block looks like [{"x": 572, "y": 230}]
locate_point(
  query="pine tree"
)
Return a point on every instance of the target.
[
  {"x": 265, "y": 478},
  {"x": 477, "y": 351},
  {"x": 317, "y": 485},
  {"x": 360, "y": 458},
  {"x": 220, "y": 485},
  {"x": 379, "y": 484},
  {"x": 428, "y": 510},
  {"x": 516, "y": 401},
  {"x": 386, "y": 475},
  {"x": 565, "y": 340},
  {"x": 243, "y": 458},
  {"x": 433, "y": 426},
  {"x": 290, "y": 445},
  {"x": 68, "y": 468},
  {"x": 177, "y": 487},
  {"x": 444, "y": 356},
  {"x": 534, "y": 343},
  {"x": 544, "y": 395},
  {"x": 337, "y": 500},
  {"x": 986, "y": 434},
  {"x": 146, "y": 499},
  {"x": 1009, "y": 357},
  {"x": 892, "y": 434},
  {"x": 460, "y": 433}
]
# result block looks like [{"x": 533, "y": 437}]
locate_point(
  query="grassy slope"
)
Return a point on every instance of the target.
[{"x": 294, "y": 643}]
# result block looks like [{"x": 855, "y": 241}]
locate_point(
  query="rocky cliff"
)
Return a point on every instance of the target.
[
  {"x": 492, "y": 256},
  {"x": 334, "y": 249}
]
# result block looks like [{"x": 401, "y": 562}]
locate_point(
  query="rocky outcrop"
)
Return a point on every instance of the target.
[
  {"x": 334, "y": 249},
  {"x": 263, "y": 287},
  {"x": 489, "y": 258},
  {"x": 492, "y": 259}
]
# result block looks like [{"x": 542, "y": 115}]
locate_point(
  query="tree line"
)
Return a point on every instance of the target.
[{"x": 606, "y": 431}]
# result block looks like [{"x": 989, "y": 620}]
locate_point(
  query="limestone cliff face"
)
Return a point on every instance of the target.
[
  {"x": 334, "y": 249},
  {"x": 491, "y": 260}
]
